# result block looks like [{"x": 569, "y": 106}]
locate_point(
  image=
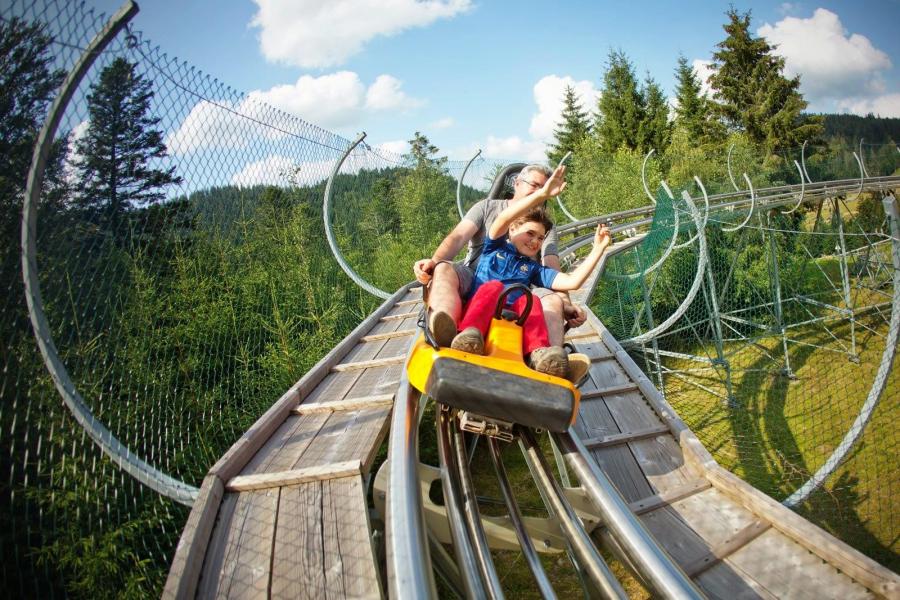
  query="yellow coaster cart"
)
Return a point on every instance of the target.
[{"x": 495, "y": 390}]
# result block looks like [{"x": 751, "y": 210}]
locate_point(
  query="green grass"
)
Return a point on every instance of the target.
[{"x": 783, "y": 429}]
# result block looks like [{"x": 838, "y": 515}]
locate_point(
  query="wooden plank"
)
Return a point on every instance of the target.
[
  {"x": 621, "y": 467},
  {"x": 188, "y": 561},
  {"x": 213, "y": 561},
  {"x": 609, "y": 391},
  {"x": 345, "y": 505},
  {"x": 237, "y": 564},
  {"x": 625, "y": 437},
  {"x": 297, "y": 560},
  {"x": 726, "y": 548},
  {"x": 240, "y": 453},
  {"x": 645, "y": 505},
  {"x": 286, "y": 444},
  {"x": 594, "y": 350},
  {"x": 675, "y": 536},
  {"x": 573, "y": 335},
  {"x": 347, "y": 436},
  {"x": 261, "y": 481},
  {"x": 368, "y": 364},
  {"x": 412, "y": 302},
  {"x": 249, "y": 571},
  {"x": 388, "y": 335},
  {"x": 348, "y": 404},
  {"x": 788, "y": 570},
  {"x": 839, "y": 555},
  {"x": 724, "y": 582},
  {"x": 401, "y": 316}
]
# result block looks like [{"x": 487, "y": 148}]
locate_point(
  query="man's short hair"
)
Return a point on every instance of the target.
[{"x": 536, "y": 168}]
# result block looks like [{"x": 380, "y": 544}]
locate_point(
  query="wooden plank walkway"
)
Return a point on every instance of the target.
[{"x": 284, "y": 512}]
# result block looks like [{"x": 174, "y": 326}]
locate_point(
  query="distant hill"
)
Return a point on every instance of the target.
[{"x": 872, "y": 129}]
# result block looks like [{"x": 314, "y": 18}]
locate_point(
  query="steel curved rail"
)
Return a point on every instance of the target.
[
  {"x": 728, "y": 166},
  {"x": 559, "y": 201},
  {"x": 695, "y": 286},
  {"x": 654, "y": 565},
  {"x": 750, "y": 212},
  {"x": 329, "y": 233},
  {"x": 123, "y": 457},
  {"x": 705, "y": 213},
  {"x": 803, "y": 161},
  {"x": 408, "y": 560},
  {"x": 878, "y": 385},
  {"x": 802, "y": 190},
  {"x": 862, "y": 174},
  {"x": 459, "y": 206},
  {"x": 644, "y": 177},
  {"x": 665, "y": 255}
]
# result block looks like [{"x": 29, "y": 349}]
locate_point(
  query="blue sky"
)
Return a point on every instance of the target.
[{"x": 477, "y": 74}]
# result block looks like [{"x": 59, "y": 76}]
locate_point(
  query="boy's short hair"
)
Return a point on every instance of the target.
[{"x": 536, "y": 215}]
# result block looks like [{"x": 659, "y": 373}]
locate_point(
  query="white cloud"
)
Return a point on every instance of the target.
[
  {"x": 887, "y": 105},
  {"x": 273, "y": 170},
  {"x": 397, "y": 147},
  {"x": 70, "y": 174},
  {"x": 444, "y": 123},
  {"x": 703, "y": 69},
  {"x": 332, "y": 101},
  {"x": 548, "y": 95},
  {"x": 831, "y": 63},
  {"x": 313, "y": 34},
  {"x": 385, "y": 94},
  {"x": 328, "y": 101},
  {"x": 514, "y": 147}
]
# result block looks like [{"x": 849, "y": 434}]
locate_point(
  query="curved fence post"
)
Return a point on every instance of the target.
[
  {"x": 329, "y": 233},
  {"x": 105, "y": 440},
  {"x": 459, "y": 183}
]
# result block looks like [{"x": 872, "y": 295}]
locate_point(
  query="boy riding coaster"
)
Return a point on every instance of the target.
[{"x": 513, "y": 242}]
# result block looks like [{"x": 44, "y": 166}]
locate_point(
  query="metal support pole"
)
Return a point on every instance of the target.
[
  {"x": 845, "y": 278},
  {"x": 715, "y": 322},
  {"x": 775, "y": 277}
]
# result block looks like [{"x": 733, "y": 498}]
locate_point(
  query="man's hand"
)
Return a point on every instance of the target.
[
  {"x": 556, "y": 184},
  {"x": 424, "y": 269},
  {"x": 574, "y": 315}
]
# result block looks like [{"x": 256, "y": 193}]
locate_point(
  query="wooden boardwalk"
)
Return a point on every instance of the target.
[{"x": 284, "y": 512}]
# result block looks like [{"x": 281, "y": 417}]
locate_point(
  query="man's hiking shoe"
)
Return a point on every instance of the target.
[
  {"x": 579, "y": 364},
  {"x": 551, "y": 360},
  {"x": 469, "y": 340},
  {"x": 443, "y": 328}
]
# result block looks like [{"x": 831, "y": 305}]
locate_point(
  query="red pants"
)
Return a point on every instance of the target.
[{"x": 480, "y": 310}]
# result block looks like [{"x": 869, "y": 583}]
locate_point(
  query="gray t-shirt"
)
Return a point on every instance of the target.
[{"x": 483, "y": 214}]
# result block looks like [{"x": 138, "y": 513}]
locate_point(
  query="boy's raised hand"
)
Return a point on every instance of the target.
[
  {"x": 602, "y": 237},
  {"x": 556, "y": 184}
]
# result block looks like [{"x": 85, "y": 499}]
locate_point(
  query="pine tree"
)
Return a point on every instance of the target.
[
  {"x": 694, "y": 112},
  {"x": 655, "y": 130},
  {"x": 574, "y": 127},
  {"x": 114, "y": 158},
  {"x": 620, "y": 108},
  {"x": 423, "y": 154},
  {"x": 752, "y": 93},
  {"x": 27, "y": 83}
]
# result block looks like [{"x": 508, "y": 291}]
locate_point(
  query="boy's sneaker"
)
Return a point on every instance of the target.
[
  {"x": 469, "y": 340},
  {"x": 551, "y": 360},
  {"x": 443, "y": 328},
  {"x": 579, "y": 365}
]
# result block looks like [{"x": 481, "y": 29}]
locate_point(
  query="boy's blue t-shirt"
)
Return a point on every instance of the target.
[{"x": 501, "y": 261}]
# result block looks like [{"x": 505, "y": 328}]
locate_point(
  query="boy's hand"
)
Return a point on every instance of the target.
[
  {"x": 602, "y": 238},
  {"x": 556, "y": 184}
]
